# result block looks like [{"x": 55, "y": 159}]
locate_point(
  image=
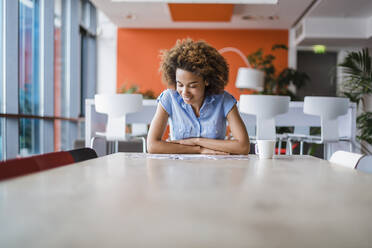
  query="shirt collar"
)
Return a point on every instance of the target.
[
  {"x": 209, "y": 99},
  {"x": 180, "y": 100}
]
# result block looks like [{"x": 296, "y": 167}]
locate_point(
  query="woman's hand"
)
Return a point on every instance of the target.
[
  {"x": 194, "y": 142},
  {"x": 204, "y": 150}
]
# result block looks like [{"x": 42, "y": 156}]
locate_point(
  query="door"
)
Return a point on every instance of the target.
[{"x": 321, "y": 69}]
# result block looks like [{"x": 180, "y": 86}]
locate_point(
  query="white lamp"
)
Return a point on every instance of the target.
[{"x": 248, "y": 77}]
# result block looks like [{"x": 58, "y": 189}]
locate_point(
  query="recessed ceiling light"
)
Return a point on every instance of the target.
[
  {"x": 130, "y": 16},
  {"x": 273, "y": 17},
  {"x": 260, "y": 18}
]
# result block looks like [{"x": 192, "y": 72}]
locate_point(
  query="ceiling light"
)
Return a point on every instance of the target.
[
  {"x": 260, "y": 18},
  {"x": 130, "y": 16},
  {"x": 248, "y": 77}
]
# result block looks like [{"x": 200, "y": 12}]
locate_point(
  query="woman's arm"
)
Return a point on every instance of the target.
[
  {"x": 240, "y": 144},
  {"x": 157, "y": 128}
]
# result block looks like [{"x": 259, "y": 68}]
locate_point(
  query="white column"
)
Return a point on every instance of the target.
[{"x": 106, "y": 55}]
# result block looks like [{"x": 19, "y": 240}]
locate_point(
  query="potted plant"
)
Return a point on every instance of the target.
[
  {"x": 134, "y": 89},
  {"x": 357, "y": 85},
  {"x": 357, "y": 70},
  {"x": 277, "y": 83}
]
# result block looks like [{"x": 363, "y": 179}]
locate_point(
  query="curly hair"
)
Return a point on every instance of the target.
[{"x": 199, "y": 58}]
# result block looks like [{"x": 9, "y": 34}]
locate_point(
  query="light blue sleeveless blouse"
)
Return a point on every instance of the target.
[{"x": 183, "y": 122}]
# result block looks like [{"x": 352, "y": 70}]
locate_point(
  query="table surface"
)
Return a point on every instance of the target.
[{"x": 129, "y": 200}]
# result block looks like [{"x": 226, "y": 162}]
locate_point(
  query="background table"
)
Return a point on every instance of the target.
[
  {"x": 295, "y": 117},
  {"x": 125, "y": 200}
]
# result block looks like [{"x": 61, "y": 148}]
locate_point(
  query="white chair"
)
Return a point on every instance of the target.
[
  {"x": 265, "y": 108},
  {"x": 365, "y": 164},
  {"x": 117, "y": 106},
  {"x": 329, "y": 109},
  {"x": 347, "y": 159}
]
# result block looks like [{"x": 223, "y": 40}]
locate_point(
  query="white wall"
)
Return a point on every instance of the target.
[
  {"x": 292, "y": 49},
  {"x": 106, "y": 55},
  {"x": 335, "y": 28},
  {"x": 369, "y": 27}
]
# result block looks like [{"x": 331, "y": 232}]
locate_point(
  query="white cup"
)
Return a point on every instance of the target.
[{"x": 265, "y": 148}]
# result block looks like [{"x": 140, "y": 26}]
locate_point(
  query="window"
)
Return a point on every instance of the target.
[
  {"x": 1, "y": 80},
  {"x": 85, "y": 14},
  {"x": 87, "y": 58},
  {"x": 39, "y": 113},
  {"x": 87, "y": 53},
  {"x": 29, "y": 83},
  {"x": 29, "y": 136},
  {"x": 1, "y": 60},
  {"x": 1, "y": 139},
  {"x": 59, "y": 83}
]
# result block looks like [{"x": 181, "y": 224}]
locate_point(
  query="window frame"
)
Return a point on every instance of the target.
[
  {"x": 1, "y": 80},
  {"x": 10, "y": 78},
  {"x": 9, "y": 111}
]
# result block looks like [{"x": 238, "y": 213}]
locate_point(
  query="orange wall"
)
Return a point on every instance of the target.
[{"x": 138, "y": 52}]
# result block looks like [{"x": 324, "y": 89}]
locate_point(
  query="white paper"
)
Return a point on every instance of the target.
[{"x": 188, "y": 156}]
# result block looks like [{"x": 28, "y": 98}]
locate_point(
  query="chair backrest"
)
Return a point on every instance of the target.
[
  {"x": 347, "y": 159},
  {"x": 265, "y": 108},
  {"x": 96, "y": 123},
  {"x": 365, "y": 164},
  {"x": 83, "y": 154},
  {"x": 22, "y": 166},
  {"x": 329, "y": 109},
  {"x": 116, "y": 106},
  {"x": 141, "y": 119},
  {"x": 17, "y": 167}
]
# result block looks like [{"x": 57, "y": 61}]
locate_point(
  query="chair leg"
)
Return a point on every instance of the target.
[
  {"x": 116, "y": 146},
  {"x": 351, "y": 148},
  {"x": 279, "y": 146},
  {"x": 92, "y": 142},
  {"x": 143, "y": 144},
  {"x": 109, "y": 147},
  {"x": 327, "y": 149},
  {"x": 289, "y": 147},
  {"x": 301, "y": 147}
]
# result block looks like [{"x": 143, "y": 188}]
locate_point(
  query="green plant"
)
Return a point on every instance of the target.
[
  {"x": 277, "y": 83},
  {"x": 131, "y": 90},
  {"x": 357, "y": 70},
  {"x": 134, "y": 89},
  {"x": 149, "y": 94},
  {"x": 364, "y": 124}
]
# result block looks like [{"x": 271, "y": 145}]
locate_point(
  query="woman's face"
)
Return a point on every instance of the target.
[{"x": 191, "y": 87}]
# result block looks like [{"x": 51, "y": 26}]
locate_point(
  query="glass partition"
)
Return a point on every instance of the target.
[
  {"x": 2, "y": 84},
  {"x": 29, "y": 83},
  {"x": 59, "y": 86},
  {"x": 1, "y": 59},
  {"x": 1, "y": 139}
]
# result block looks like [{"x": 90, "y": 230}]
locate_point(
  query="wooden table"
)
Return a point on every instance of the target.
[{"x": 127, "y": 200}]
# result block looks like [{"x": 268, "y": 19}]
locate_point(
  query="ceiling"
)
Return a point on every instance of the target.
[
  {"x": 339, "y": 23},
  {"x": 244, "y": 16},
  {"x": 343, "y": 8}
]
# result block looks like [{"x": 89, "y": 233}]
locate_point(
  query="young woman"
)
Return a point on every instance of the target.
[{"x": 196, "y": 104}]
